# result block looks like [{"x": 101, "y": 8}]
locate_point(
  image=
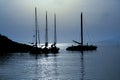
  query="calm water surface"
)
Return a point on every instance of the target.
[{"x": 103, "y": 64}]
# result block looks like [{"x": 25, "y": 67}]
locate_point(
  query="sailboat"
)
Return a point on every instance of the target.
[
  {"x": 81, "y": 46},
  {"x": 36, "y": 48},
  {"x": 46, "y": 49},
  {"x": 54, "y": 48}
]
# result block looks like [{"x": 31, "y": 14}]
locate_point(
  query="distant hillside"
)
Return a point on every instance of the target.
[
  {"x": 7, "y": 45},
  {"x": 112, "y": 41}
]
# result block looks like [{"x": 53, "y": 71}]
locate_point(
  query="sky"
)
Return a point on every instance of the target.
[{"x": 101, "y": 19}]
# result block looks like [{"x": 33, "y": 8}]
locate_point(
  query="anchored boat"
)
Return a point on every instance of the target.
[
  {"x": 36, "y": 48},
  {"x": 81, "y": 46},
  {"x": 54, "y": 48}
]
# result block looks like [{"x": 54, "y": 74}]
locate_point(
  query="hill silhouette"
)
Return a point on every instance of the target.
[
  {"x": 9, "y": 46},
  {"x": 114, "y": 41}
]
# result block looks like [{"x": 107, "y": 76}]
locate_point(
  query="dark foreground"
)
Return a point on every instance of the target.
[{"x": 9, "y": 46}]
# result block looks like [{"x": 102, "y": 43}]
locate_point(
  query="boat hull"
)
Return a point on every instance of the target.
[
  {"x": 45, "y": 50},
  {"x": 35, "y": 50},
  {"x": 54, "y": 50},
  {"x": 82, "y": 48}
]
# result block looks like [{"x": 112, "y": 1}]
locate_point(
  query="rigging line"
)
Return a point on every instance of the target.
[
  {"x": 87, "y": 32},
  {"x": 33, "y": 37},
  {"x": 88, "y": 36},
  {"x": 91, "y": 37},
  {"x": 33, "y": 40}
]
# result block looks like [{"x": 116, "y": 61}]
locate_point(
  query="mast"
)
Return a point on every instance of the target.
[
  {"x": 46, "y": 32},
  {"x": 55, "y": 36},
  {"x": 36, "y": 26},
  {"x": 81, "y": 29},
  {"x": 38, "y": 36}
]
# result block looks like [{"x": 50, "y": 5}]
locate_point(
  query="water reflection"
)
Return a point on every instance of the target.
[
  {"x": 55, "y": 67},
  {"x": 45, "y": 67},
  {"x": 4, "y": 58},
  {"x": 82, "y": 66},
  {"x": 63, "y": 66}
]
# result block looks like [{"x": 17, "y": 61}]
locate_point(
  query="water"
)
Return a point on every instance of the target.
[{"x": 102, "y": 64}]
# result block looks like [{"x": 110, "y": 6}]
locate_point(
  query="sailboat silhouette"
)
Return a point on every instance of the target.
[
  {"x": 54, "y": 48},
  {"x": 81, "y": 46},
  {"x": 46, "y": 49},
  {"x": 35, "y": 48}
]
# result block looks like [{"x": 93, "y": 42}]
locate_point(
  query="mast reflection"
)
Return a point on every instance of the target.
[
  {"x": 82, "y": 66},
  {"x": 55, "y": 67},
  {"x": 45, "y": 67}
]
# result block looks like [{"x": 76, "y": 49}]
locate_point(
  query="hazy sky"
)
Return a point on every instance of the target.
[{"x": 101, "y": 19}]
